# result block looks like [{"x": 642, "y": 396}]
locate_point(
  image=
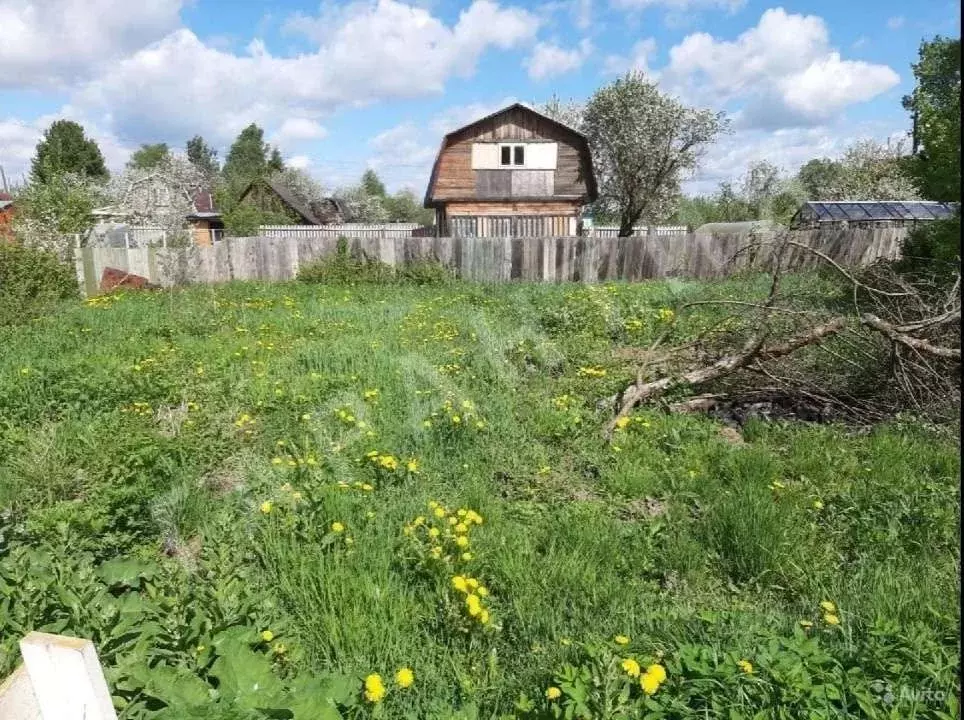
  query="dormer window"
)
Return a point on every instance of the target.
[{"x": 512, "y": 155}]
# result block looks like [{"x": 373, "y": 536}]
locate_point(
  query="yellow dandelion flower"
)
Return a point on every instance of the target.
[
  {"x": 458, "y": 582},
  {"x": 658, "y": 671},
  {"x": 412, "y": 465},
  {"x": 622, "y": 422},
  {"x": 404, "y": 677},
  {"x": 472, "y": 582},
  {"x": 806, "y": 624},
  {"x": 462, "y": 541},
  {"x": 337, "y": 527},
  {"x": 473, "y": 604},
  {"x": 484, "y": 617},
  {"x": 461, "y": 528},
  {"x": 630, "y": 667},
  {"x": 433, "y": 532},
  {"x": 828, "y": 607},
  {"x": 456, "y": 419},
  {"x": 831, "y": 619},
  {"x": 267, "y": 506},
  {"x": 374, "y": 689},
  {"x": 553, "y": 693},
  {"x": 267, "y": 636},
  {"x": 439, "y": 512},
  {"x": 482, "y": 591},
  {"x": 746, "y": 666},
  {"x": 466, "y": 556},
  {"x": 621, "y": 640},
  {"x": 649, "y": 683}
]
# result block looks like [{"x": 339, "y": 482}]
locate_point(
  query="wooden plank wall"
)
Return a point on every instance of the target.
[{"x": 494, "y": 259}]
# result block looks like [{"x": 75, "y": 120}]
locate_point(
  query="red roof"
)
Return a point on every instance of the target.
[
  {"x": 203, "y": 202},
  {"x": 5, "y": 195}
]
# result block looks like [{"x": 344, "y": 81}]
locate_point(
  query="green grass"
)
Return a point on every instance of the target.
[{"x": 697, "y": 549}]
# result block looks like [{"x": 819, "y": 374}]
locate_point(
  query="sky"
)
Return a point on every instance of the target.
[{"x": 343, "y": 86}]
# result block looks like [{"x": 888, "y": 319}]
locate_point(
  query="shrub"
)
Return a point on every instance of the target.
[
  {"x": 934, "y": 244},
  {"x": 31, "y": 281},
  {"x": 425, "y": 272},
  {"x": 343, "y": 267}
]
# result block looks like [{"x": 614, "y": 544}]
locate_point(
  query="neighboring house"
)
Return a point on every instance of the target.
[
  {"x": 149, "y": 203},
  {"x": 7, "y": 210},
  {"x": 271, "y": 197},
  {"x": 330, "y": 210},
  {"x": 869, "y": 213},
  {"x": 515, "y": 173},
  {"x": 205, "y": 222}
]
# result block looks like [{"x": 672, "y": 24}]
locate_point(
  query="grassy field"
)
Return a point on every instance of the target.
[{"x": 269, "y": 494}]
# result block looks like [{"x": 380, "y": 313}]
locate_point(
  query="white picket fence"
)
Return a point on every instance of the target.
[
  {"x": 348, "y": 230},
  {"x": 638, "y": 230}
]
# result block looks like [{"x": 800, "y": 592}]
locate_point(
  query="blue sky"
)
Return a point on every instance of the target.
[{"x": 344, "y": 86}]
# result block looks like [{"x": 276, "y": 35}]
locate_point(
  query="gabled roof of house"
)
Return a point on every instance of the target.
[
  {"x": 287, "y": 197},
  {"x": 590, "y": 180}
]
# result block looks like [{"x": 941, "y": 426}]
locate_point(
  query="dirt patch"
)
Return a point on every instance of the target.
[
  {"x": 227, "y": 478},
  {"x": 645, "y": 508}
]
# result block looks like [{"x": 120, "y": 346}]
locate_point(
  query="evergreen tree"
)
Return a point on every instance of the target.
[
  {"x": 251, "y": 158},
  {"x": 66, "y": 149},
  {"x": 372, "y": 184},
  {"x": 203, "y": 157}
]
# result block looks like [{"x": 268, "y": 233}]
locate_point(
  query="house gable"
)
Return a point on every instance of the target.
[{"x": 516, "y": 154}]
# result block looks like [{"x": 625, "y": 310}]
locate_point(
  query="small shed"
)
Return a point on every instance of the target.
[{"x": 870, "y": 213}]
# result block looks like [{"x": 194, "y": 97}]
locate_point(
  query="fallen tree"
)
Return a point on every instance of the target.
[{"x": 887, "y": 343}]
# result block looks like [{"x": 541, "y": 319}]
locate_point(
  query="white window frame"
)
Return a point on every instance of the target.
[{"x": 512, "y": 148}]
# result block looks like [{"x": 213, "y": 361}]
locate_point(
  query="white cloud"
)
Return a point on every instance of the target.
[
  {"x": 50, "y": 42},
  {"x": 637, "y": 59},
  {"x": 549, "y": 60},
  {"x": 582, "y": 14},
  {"x": 295, "y": 129},
  {"x": 679, "y": 5},
  {"x": 299, "y": 162},
  {"x": 379, "y": 51},
  {"x": 784, "y": 67},
  {"x": 895, "y": 23}
]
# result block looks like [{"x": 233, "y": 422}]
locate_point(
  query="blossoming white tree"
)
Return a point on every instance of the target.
[{"x": 643, "y": 142}]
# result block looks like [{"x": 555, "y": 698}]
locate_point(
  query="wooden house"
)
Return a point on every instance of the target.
[
  {"x": 272, "y": 198},
  {"x": 514, "y": 173}
]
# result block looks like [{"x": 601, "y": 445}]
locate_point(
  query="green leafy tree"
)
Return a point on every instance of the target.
[
  {"x": 935, "y": 105},
  {"x": 372, "y": 184},
  {"x": 148, "y": 156},
  {"x": 404, "y": 206},
  {"x": 250, "y": 158},
  {"x": 643, "y": 143},
  {"x": 65, "y": 148},
  {"x": 820, "y": 177},
  {"x": 203, "y": 157}
]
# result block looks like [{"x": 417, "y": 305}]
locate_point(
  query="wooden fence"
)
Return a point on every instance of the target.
[
  {"x": 553, "y": 259},
  {"x": 511, "y": 226}
]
